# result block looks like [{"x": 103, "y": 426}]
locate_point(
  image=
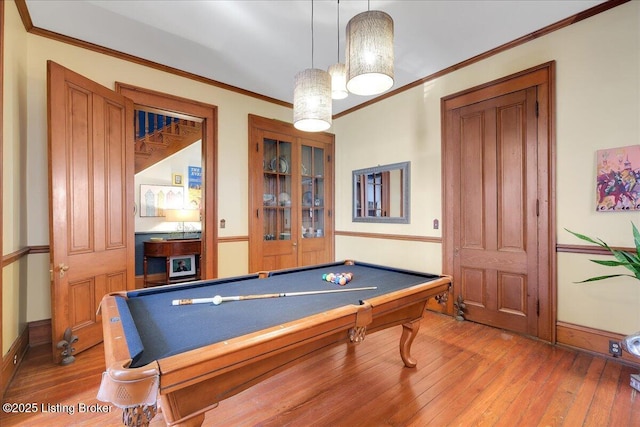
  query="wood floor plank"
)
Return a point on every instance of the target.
[
  {"x": 503, "y": 395},
  {"x": 467, "y": 375},
  {"x": 447, "y": 355},
  {"x": 362, "y": 377},
  {"x": 442, "y": 385},
  {"x": 624, "y": 399},
  {"x": 565, "y": 393},
  {"x": 484, "y": 395},
  {"x": 599, "y": 414},
  {"x": 492, "y": 359},
  {"x": 514, "y": 414},
  {"x": 577, "y": 413}
]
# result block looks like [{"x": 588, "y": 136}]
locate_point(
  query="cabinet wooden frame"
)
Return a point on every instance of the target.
[{"x": 306, "y": 238}]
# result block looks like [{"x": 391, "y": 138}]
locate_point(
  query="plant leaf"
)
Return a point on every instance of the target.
[
  {"x": 636, "y": 239},
  {"x": 609, "y": 263},
  {"x": 585, "y": 238},
  {"x": 593, "y": 279},
  {"x": 628, "y": 260}
]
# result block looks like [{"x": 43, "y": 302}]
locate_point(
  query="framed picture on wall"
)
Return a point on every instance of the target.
[
  {"x": 176, "y": 178},
  {"x": 195, "y": 187},
  {"x": 154, "y": 199},
  {"x": 183, "y": 265},
  {"x": 617, "y": 176}
]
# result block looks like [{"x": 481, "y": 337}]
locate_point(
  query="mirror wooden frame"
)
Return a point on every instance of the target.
[{"x": 404, "y": 217}]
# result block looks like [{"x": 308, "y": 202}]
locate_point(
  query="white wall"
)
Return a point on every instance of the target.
[
  {"x": 161, "y": 173},
  {"x": 597, "y": 106},
  {"x": 14, "y": 176}
]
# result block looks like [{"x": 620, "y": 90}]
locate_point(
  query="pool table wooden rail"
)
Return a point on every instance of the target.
[{"x": 193, "y": 382}]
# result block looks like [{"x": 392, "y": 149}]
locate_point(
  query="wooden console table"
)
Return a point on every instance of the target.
[{"x": 172, "y": 248}]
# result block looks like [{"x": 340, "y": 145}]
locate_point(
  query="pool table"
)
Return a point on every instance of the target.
[{"x": 190, "y": 357}]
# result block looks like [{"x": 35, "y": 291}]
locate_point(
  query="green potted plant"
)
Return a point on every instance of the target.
[{"x": 629, "y": 260}]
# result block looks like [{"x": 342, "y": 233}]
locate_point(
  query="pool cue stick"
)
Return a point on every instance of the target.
[{"x": 217, "y": 300}]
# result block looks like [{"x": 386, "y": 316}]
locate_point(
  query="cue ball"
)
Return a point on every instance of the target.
[{"x": 217, "y": 300}]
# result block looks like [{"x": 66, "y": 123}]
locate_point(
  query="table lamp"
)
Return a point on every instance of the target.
[{"x": 181, "y": 216}]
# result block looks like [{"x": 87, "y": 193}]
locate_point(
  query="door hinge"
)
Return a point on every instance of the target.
[
  {"x": 257, "y": 213},
  {"x": 329, "y": 213},
  {"x": 537, "y": 207},
  {"x": 537, "y": 109},
  {"x": 538, "y": 308},
  {"x": 329, "y": 158},
  {"x": 257, "y": 147}
]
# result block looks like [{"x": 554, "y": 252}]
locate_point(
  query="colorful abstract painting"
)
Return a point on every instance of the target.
[{"x": 618, "y": 179}]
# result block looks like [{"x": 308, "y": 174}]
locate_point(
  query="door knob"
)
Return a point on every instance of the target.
[{"x": 62, "y": 268}]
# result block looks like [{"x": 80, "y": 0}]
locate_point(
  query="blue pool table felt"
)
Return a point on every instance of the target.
[{"x": 162, "y": 329}]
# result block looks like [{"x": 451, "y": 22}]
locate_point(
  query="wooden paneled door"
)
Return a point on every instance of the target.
[
  {"x": 496, "y": 163},
  {"x": 91, "y": 202}
]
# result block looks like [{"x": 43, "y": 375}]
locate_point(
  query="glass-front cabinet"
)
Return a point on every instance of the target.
[{"x": 291, "y": 196}]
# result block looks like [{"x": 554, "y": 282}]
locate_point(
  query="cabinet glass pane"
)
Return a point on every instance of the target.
[
  {"x": 318, "y": 162},
  {"x": 276, "y": 198},
  {"x": 306, "y": 163},
  {"x": 284, "y": 221},
  {"x": 269, "y": 220},
  {"x": 312, "y": 192}
]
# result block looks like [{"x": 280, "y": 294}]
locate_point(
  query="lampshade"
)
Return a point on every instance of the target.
[
  {"x": 312, "y": 100},
  {"x": 338, "y": 73},
  {"x": 182, "y": 215},
  {"x": 369, "y": 53}
]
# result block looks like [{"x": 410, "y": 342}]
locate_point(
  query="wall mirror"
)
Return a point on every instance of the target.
[{"x": 381, "y": 194}]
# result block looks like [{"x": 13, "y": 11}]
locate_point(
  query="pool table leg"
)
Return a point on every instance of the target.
[
  {"x": 138, "y": 415},
  {"x": 409, "y": 333}
]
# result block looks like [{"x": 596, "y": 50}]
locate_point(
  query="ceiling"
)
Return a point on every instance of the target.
[{"x": 259, "y": 45}]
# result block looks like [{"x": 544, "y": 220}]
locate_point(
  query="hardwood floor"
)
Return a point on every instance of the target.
[{"x": 467, "y": 375}]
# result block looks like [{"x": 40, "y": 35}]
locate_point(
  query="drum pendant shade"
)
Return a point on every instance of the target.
[
  {"x": 369, "y": 53},
  {"x": 338, "y": 73},
  {"x": 312, "y": 100}
]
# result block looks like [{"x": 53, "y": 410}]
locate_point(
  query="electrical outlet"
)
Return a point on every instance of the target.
[{"x": 615, "y": 349}]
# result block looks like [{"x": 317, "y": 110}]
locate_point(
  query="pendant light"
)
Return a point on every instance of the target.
[
  {"x": 369, "y": 53},
  {"x": 312, "y": 96},
  {"x": 338, "y": 71}
]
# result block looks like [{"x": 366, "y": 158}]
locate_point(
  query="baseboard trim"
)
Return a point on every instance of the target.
[
  {"x": 39, "y": 332},
  {"x": 591, "y": 340},
  {"x": 13, "y": 358}
]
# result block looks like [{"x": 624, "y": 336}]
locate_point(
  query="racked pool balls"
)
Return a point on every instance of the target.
[{"x": 338, "y": 278}]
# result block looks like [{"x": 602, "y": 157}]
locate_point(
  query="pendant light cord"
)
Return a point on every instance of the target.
[
  {"x": 312, "y": 34},
  {"x": 338, "y": 28}
]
